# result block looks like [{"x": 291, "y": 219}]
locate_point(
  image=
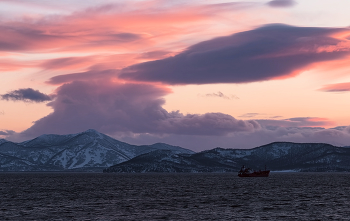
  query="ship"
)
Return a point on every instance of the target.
[{"x": 247, "y": 172}]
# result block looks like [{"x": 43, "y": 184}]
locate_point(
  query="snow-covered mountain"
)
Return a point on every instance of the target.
[
  {"x": 94, "y": 151},
  {"x": 276, "y": 156},
  {"x": 169, "y": 161},
  {"x": 86, "y": 151},
  {"x": 2, "y": 141}
]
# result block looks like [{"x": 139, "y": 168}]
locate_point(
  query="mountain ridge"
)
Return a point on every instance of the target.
[
  {"x": 91, "y": 150},
  {"x": 278, "y": 156},
  {"x": 88, "y": 150}
]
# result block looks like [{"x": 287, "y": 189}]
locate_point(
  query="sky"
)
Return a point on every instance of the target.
[{"x": 197, "y": 74}]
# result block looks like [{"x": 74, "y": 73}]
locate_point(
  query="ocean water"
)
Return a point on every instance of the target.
[{"x": 98, "y": 196}]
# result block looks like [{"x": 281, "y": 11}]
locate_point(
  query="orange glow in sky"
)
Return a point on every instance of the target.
[{"x": 181, "y": 55}]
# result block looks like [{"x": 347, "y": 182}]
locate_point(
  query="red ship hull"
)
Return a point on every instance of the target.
[{"x": 264, "y": 173}]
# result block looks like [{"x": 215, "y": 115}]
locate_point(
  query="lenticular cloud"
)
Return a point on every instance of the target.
[{"x": 270, "y": 52}]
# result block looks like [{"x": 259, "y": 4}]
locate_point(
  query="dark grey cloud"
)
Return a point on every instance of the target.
[
  {"x": 274, "y": 117},
  {"x": 26, "y": 95},
  {"x": 342, "y": 128},
  {"x": 269, "y": 52},
  {"x": 134, "y": 113},
  {"x": 282, "y": 3},
  {"x": 127, "y": 108},
  {"x": 339, "y": 137},
  {"x": 7, "y": 132},
  {"x": 296, "y": 122}
]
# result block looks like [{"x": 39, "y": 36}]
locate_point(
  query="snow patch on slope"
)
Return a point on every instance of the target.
[{"x": 3, "y": 141}]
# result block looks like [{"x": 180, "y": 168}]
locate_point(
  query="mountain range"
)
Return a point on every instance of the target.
[
  {"x": 278, "y": 156},
  {"x": 86, "y": 151},
  {"x": 94, "y": 151}
]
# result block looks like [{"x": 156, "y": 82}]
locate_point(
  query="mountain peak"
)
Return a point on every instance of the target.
[
  {"x": 3, "y": 141},
  {"x": 92, "y": 131}
]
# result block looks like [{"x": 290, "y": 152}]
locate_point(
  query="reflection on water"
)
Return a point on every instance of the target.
[{"x": 98, "y": 196}]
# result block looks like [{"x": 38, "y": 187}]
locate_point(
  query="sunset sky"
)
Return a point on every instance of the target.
[{"x": 198, "y": 74}]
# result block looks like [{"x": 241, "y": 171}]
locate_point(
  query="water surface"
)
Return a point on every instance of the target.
[{"x": 98, "y": 196}]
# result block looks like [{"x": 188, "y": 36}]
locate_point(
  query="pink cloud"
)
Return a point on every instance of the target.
[
  {"x": 93, "y": 62},
  {"x": 81, "y": 63},
  {"x": 68, "y": 63},
  {"x": 23, "y": 37},
  {"x": 340, "y": 87},
  {"x": 128, "y": 26},
  {"x": 83, "y": 76},
  {"x": 13, "y": 65}
]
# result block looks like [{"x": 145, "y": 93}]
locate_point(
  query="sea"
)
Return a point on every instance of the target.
[{"x": 182, "y": 196}]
